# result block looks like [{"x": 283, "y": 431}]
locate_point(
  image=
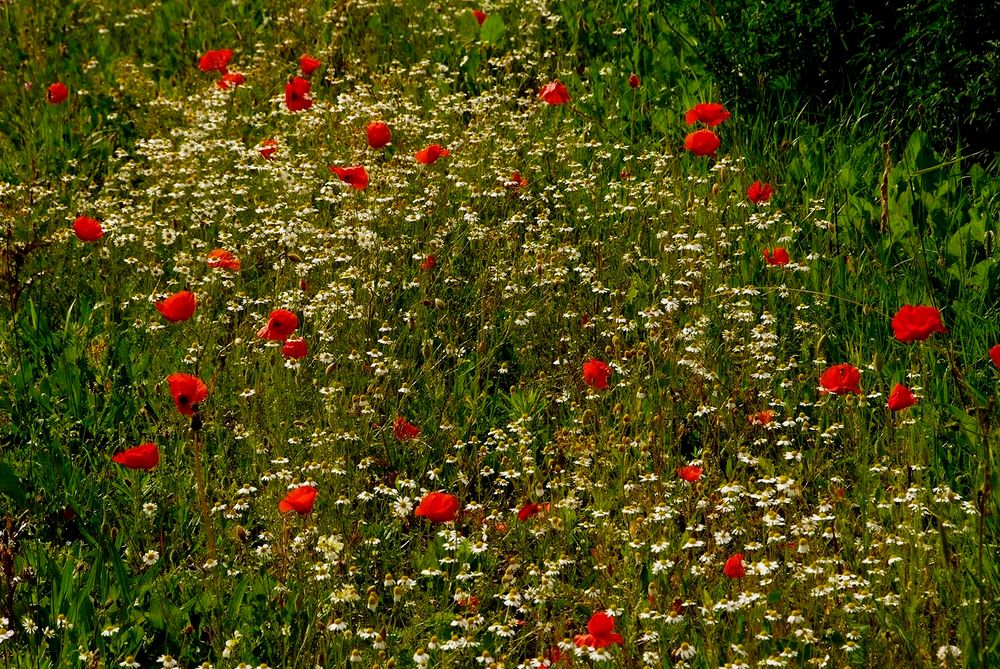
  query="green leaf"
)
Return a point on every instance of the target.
[
  {"x": 10, "y": 485},
  {"x": 466, "y": 27},
  {"x": 492, "y": 29}
]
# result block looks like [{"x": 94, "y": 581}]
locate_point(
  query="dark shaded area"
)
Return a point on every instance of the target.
[{"x": 930, "y": 64}]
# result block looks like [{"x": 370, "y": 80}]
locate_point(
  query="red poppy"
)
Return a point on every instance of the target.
[
  {"x": 357, "y": 177},
  {"x": 516, "y": 181},
  {"x": 267, "y": 149},
  {"x": 901, "y": 398},
  {"x": 300, "y": 500},
  {"x": 295, "y": 348},
  {"x": 438, "y": 507},
  {"x": 709, "y": 113},
  {"x": 734, "y": 567},
  {"x": 187, "y": 391},
  {"x": 215, "y": 60},
  {"x": 554, "y": 93},
  {"x": 377, "y": 133},
  {"x": 596, "y": 373},
  {"x": 308, "y": 64},
  {"x": 230, "y": 80},
  {"x": 428, "y": 263},
  {"x": 633, "y": 80},
  {"x": 224, "y": 259},
  {"x": 841, "y": 379},
  {"x": 430, "y": 154},
  {"x": 57, "y": 93},
  {"x": 761, "y": 417},
  {"x": 531, "y": 509},
  {"x": 601, "y": 632},
  {"x": 281, "y": 323},
  {"x": 995, "y": 355},
  {"x": 178, "y": 307},
  {"x": 403, "y": 430},
  {"x": 144, "y": 456},
  {"x": 776, "y": 256},
  {"x": 689, "y": 473},
  {"x": 479, "y": 15},
  {"x": 296, "y": 94},
  {"x": 759, "y": 192},
  {"x": 916, "y": 323},
  {"x": 87, "y": 229},
  {"x": 702, "y": 142}
]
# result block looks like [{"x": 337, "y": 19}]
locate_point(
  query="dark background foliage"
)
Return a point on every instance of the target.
[{"x": 929, "y": 64}]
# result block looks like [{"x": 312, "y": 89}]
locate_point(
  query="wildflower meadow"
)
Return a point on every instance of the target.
[{"x": 444, "y": 335}]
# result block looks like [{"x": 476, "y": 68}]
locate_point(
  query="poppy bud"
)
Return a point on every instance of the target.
[{"x": 820, "y": 345}]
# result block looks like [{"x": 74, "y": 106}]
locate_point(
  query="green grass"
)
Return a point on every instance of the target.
[{"x": 870, "y": 537}]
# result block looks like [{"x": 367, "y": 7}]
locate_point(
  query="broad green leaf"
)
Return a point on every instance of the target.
[
  {"x": 492, "y": 29},
  {"x": 10, "y": 485}
]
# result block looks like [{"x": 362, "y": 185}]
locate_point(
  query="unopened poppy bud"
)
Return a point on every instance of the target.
[
  {"x": 438, "y": 303},
  {"x": 820, "y": 345},
  {"x": 878, "y": 361},
  {"x": 716, "y": 188},
  {"x": 295, "y": 257}
]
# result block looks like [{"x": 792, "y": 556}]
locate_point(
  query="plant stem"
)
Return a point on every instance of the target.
[{"x": 203, "y": 497}]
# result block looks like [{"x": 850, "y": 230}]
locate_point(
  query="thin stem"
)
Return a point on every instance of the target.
[{"x": 203, "y": 497}]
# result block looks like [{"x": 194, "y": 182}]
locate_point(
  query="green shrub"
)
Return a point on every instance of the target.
[{"x": 930, "y": 64}]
